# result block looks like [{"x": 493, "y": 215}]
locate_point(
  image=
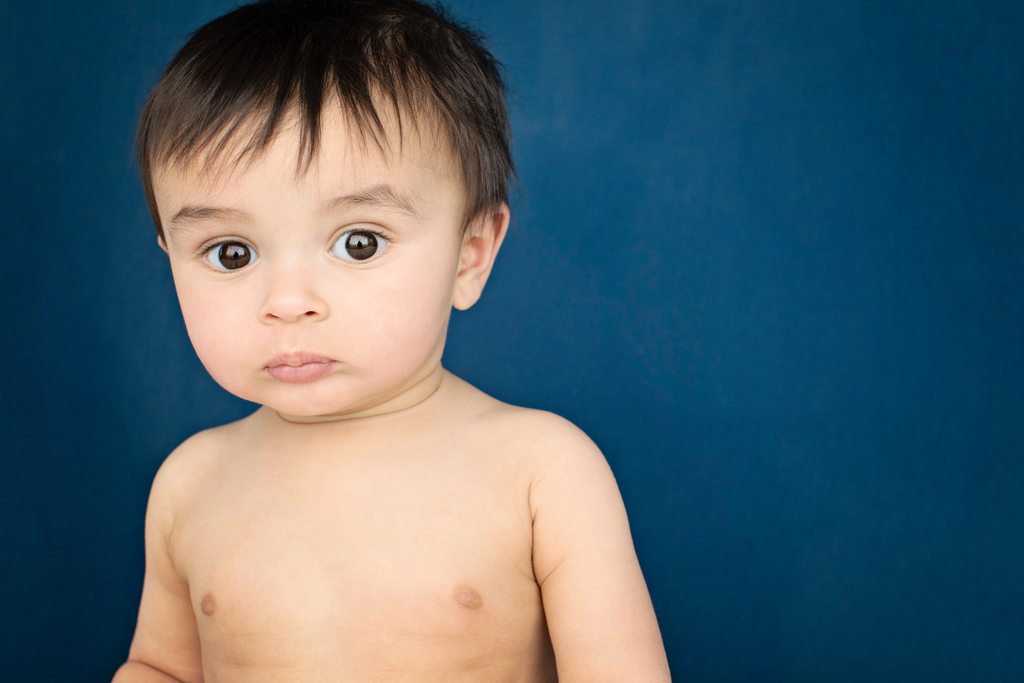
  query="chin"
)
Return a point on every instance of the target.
[
  {"x": 303, "y": 409},
  {"x": 310, "y": 401},
  {"x": 331, "y": 395}
]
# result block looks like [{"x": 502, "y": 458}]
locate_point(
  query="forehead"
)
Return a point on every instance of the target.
[{"x": 411, "y": 158}]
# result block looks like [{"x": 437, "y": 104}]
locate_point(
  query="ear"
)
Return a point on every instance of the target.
[
  {"x": 160, "y": 242},
  {"x": 479, "y": 249}
]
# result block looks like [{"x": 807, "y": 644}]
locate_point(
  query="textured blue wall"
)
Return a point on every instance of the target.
[{"x": 768, "y": 254}]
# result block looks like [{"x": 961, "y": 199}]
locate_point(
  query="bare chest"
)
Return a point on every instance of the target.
[{"x": 402, "y": 568}]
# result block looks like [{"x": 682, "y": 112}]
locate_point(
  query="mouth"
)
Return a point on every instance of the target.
[{"x": 300, "y": 367}]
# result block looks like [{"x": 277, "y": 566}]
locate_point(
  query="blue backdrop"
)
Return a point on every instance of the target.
[{"x": 767, "y": 254}]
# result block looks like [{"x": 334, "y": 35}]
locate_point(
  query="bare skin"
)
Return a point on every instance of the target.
[
  {"x": 395, "y": 547},
  {"x": 387, "y": 521}
]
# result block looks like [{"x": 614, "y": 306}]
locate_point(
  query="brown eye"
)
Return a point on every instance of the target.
[
  {"x": 229, "y": 256},
  {"x": 358, "y": 245}
]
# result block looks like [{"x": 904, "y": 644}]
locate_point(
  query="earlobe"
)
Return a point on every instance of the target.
[
  {"x": 479, "y": 249},
  {"x": 160, "y": 243}
]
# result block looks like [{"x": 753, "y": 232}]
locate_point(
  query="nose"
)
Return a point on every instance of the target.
[{"x": 291, "y": 298}]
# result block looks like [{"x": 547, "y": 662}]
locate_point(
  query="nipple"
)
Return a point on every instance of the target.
[
  {"x": 209, "y": 605},
  {"x": 467, "y": 596}
]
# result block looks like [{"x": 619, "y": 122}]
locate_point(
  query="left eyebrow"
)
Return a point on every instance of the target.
[{"x": 381, "y": 195}]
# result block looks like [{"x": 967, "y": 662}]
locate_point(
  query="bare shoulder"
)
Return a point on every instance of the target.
[
  {"x": 185, "y": 467},
  {"x": 546, "y": 445},
  {"x": 544, "y": 436},
  {"x": 547, "y": 437},
  {"x": 598, "y": 609}
]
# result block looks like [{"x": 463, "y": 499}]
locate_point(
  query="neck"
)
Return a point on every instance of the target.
[{"x": 416, "y": 395}]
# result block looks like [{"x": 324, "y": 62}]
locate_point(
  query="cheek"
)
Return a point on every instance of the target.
[
  {"x": 217, "y": 331},
  {"x": 397, "y": 313},
  {"x": 411, "y": 306}
]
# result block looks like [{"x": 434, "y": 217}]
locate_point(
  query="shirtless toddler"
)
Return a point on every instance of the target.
[{"x": 328, "y": 179}]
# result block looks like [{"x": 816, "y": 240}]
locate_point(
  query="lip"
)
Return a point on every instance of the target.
[{"x": 299, "y": 367}]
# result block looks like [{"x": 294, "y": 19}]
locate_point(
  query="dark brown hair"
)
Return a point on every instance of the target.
[{"x": 259, "y": 62}]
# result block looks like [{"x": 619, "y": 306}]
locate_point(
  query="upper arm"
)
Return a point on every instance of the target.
[
  {"x": 166, "y": 635},
  {"x": 598, "y": 609}
]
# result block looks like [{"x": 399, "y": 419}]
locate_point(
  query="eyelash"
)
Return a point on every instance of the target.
[
  {"x": 379, "y": 234},
  {"x": 203, "y": 251}
]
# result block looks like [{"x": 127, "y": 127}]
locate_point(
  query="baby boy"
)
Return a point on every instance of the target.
[{"x": 328, "y": 179}]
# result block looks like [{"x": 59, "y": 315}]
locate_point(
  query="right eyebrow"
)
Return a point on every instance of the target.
[
  {"x": 190, "y": 215},
  {"x": 381, "y": 195}
]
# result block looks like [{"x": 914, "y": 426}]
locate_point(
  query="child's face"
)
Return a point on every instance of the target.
[{"x": 381, "y": 314}]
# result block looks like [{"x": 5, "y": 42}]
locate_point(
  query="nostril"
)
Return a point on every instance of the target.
[{"x": 292, "y": 311}]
